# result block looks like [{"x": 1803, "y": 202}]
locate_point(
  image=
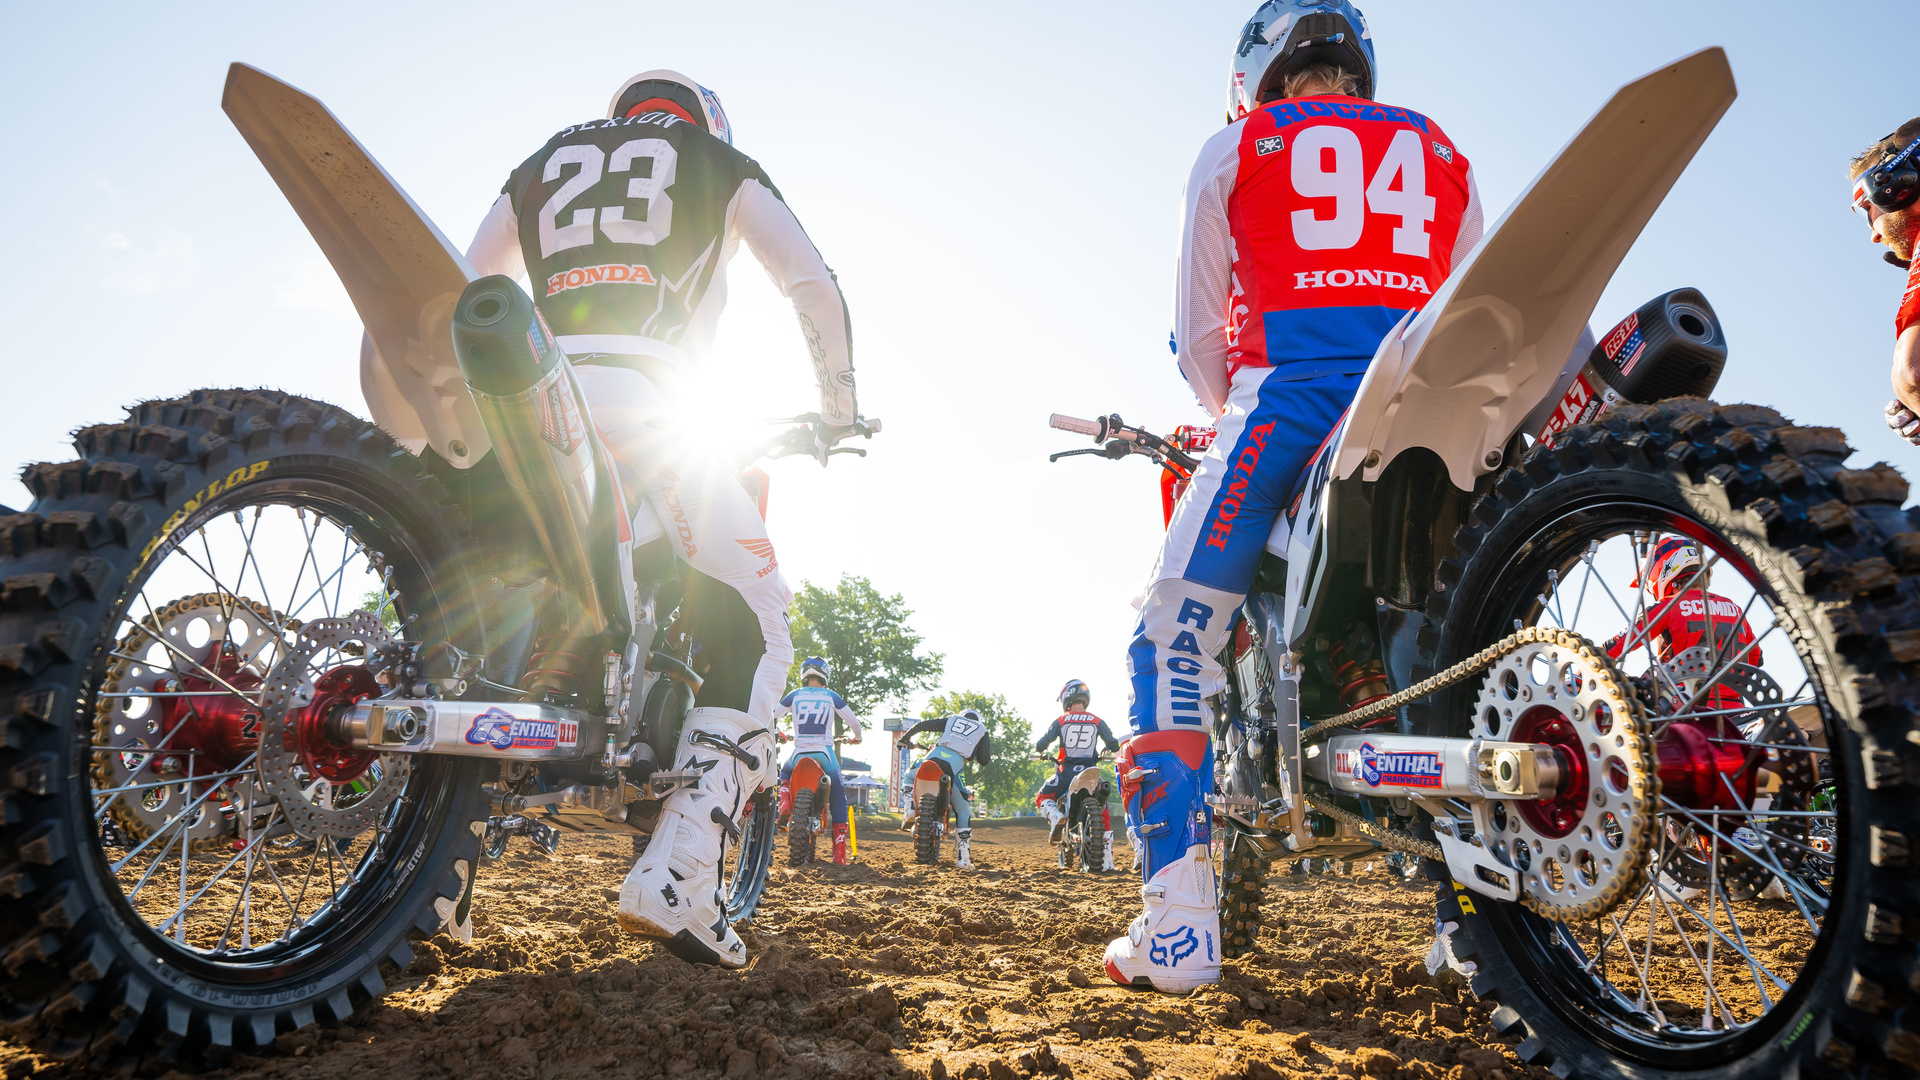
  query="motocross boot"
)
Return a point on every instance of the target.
[
  {"x": 1056, "y": 818},
  {"x": 1106, "y": 859},
  {"x": 839, "y": 845},
  {"x": 1174, "y": 945},
  {"x": 963, "y": 849},
  {"x": 673, "y": 890}
]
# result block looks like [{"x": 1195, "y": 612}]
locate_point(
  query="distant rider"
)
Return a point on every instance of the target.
[
  {"x": 814, "y": 708},
  {"x": 1080, "y": 734},
  {"x": 1886, "y": 182},
  {"x": 1682, "y": 613},
  {"x": 1315, "y": 220},
  {"x": 962, "y": 737},
  {"x": 626, "y": 225}
]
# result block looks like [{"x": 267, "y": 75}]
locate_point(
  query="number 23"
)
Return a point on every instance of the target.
[{"x": 591, "y": 160}]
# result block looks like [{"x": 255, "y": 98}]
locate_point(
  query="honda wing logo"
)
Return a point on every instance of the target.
[{"x": 762, "y": 549}]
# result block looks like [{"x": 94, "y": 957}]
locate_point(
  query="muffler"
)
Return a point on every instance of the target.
[{"x": 537, "y": 416}]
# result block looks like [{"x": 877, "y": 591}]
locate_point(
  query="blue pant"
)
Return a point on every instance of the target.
[
  {"x": 831, "y": 766},
  {"x": 1269, "y": 433}
]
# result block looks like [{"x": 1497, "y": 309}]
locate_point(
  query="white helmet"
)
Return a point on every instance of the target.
[
  {"x": 1286, "y": 35},
  {"x": 689, "y": 98}
]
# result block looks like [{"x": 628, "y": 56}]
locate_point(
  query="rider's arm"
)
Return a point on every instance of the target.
[
  {"x": 1473, "y": 223},
  {"x": 1106, "y": 736},
  {"x": 1203, "y": 277},
  {"x": 1906, "y": 369},
  {"x": 938, "y": 725},
  {"x": 1053, "y": 732},
  {"x": 760, "y": 217},
  {"x": 983, "y": 754},
  {"x": 496, "y": 246}
]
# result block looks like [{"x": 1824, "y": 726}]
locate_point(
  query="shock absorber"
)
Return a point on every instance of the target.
[
  {"x": 554, "y": 670},
  {"x": 1360, "y": 682}
]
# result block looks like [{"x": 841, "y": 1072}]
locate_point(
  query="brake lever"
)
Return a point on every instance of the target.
[
  {"x": 1101, "y": 450},
  {"x": 846, "y": 450}
]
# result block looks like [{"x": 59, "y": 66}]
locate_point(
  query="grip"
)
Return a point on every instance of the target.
[{"x": 1090, "y": 428}]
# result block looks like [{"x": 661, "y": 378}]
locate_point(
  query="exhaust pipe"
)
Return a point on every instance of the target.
[{"x": 531, "y": 405}]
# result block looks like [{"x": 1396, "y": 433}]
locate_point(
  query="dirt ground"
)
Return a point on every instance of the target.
[{"x": 887, "y": 969}]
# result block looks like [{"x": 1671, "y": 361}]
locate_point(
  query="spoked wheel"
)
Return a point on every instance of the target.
[
  {"x": 190, "y": 607},
  {"x": 749, "y": 857},
  {"x": 801, "y": 828},
  {"x": 1736, "y": 946}
]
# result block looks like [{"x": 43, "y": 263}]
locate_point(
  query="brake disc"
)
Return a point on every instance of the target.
[
  {"x": 1583, "y": 852},
  {"x": 132, "y": 728},
  {"x": 288, "y": 765}
]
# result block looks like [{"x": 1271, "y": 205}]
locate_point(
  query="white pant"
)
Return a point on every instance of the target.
[{"x": 707, "y": 515}]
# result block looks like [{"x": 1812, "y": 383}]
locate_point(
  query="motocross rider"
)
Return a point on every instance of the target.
[
  {"x": 961, "y": 738},
  {"x": 1080, "y": 734},
  {"x": 1314, "y": 221},
  {"x": 814, "y": 707},
  {"x": 1683, "y": 612},
  {"x": 1886, "y": 181},
  {"x": 625, "y": 225}
]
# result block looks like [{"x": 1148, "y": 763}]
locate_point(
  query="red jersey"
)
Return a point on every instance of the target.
[
  {"x": 1909, "y": 312},
  {"x": 1688, "y": 622},
  {"x": 1313, "y": 225}
]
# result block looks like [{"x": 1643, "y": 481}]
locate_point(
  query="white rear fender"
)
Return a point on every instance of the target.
[{"x": 1496, "y": 339}]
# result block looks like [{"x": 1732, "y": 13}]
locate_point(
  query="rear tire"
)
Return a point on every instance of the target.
[
  {"x": 1838, "y": 558},
  {"x": 1090, "y": 843},
  {"x": 800, "y": 829},
  {"x": 87, "y": 976},
  {"x": 926, "y": 831}
]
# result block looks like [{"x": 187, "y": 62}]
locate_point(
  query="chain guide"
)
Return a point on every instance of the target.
[{"x": 313, "y": 804}]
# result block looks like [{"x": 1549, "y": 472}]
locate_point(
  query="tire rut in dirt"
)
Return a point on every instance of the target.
[
  {"x": 1839, "y": 559},
  {"x": 81, "y": 978}
]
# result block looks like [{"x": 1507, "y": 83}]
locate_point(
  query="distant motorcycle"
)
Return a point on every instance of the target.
[{"x": 1087, "y": 794}]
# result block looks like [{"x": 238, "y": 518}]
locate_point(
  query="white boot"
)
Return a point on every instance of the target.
[
  {"x": 963, "y": 849},
  {"x": 1135, "y": 845},
  {"x": 1106, "y": 860},
  {"x": 1173, "y": 946},
  {"x": 1057, "y": 818},
  {"x": 673, "y": 891}
]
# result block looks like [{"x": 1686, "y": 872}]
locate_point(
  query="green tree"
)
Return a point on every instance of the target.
[
  {"x": 876, "y": 656},
  {"x": 1013, "y": 776}
]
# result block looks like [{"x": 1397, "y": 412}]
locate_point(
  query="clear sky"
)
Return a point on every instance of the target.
[{"x": 996, "y": 184}]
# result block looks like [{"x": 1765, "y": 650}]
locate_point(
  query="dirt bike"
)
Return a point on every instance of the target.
[
  {"x": 1416, "y": 667},
  {"x": 1086, "y": 795},
  {"x": 269, "y": 674},
  {"x": 811, "y": 790},
  {"x": 932, "y": 802}
]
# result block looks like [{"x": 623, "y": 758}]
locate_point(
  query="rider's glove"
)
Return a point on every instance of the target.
[
  {"x": 1903, "y": 422},
  {"x": 825, "y": 435}
]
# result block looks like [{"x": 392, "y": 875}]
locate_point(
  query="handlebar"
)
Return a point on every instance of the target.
[
  {"x": 803, "y": 436},
  {"x": 1122, "y": 441}
]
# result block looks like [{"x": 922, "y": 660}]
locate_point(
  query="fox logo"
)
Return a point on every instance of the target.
[{"x": 1170, "y": 948}]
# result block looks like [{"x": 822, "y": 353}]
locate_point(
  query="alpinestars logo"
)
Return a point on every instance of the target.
[
  {"x": 1170, "y": 948},
  {"x": 764, "y": 550}
]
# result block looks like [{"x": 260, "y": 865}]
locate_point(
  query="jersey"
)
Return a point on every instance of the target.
[
  {"x": 1081, "y": 735},
  {"x": 963, "y": 735},
  {"x": 1715, "y": 622},
  {"x": 1312, "y": 226},
  {"x": 624, "y": 229},
  {"x": 1909, "y": 311},
  {"x": 813, "y": 709}
]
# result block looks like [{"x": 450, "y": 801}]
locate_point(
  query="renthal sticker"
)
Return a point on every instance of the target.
[
  {"x": 1397, "y": 768},
  {"x": 1341, "y": 279},
  {"x": 608, "y": 274},
  {"x": 1625, "y": 345},
  {"x": 501, "y": 730},
  {"x": 1445, "y": 151},
  {"x": 228, "y": 482},
  {"x": 1268, "y": 145}
]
